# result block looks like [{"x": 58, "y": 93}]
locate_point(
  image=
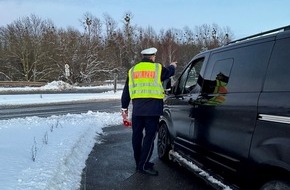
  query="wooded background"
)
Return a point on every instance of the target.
[{"x": 34, "y": 49}]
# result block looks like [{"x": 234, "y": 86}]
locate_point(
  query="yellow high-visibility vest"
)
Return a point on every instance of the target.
[
  {"x": 145, "y": 81},
  {"x": 220, "y": 87}
]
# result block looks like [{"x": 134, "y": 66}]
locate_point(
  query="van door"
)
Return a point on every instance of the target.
[{"x": 179, "y": 103}]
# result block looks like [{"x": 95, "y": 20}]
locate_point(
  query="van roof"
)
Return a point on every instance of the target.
[
  {"x": 277, "y": 30},
  {"x": 260, "y": 36}
]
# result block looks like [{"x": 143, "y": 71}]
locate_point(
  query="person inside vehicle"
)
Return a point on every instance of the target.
[{"x": 217, "y": 87}]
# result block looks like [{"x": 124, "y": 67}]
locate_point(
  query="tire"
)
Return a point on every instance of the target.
[
  {"x": 276, "y": 185},
  {"x": 163, "y": 143}
]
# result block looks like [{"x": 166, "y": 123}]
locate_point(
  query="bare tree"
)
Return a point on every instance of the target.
[
  {"x": 168, "y": 46},
  {"x": 114, "y": 48},
  {"x": 148, "y": 37},
  {"x": 32, "y": 49},
  {"x": 89, "y": 50},
  {"x": 131, "y": 38},
  {"x": 24, "y": 54},
  {"x": 212, "y": 36}
]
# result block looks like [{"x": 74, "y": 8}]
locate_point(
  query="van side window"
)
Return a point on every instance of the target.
[
  {"x": 278, "y": 74},
  {"x": 249, "y": 65},
  {"x": 219, "y": 77},
  {"x": 222, "y": 66},
  {"x": 188, "y": 79}
]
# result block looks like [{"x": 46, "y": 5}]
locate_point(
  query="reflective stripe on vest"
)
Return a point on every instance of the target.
[
  {"x": 145, "y": 81},
  {"x": 216, "y": 100}
]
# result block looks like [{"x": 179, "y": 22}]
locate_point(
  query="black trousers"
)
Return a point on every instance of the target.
[{"x": 143, "y": 143}]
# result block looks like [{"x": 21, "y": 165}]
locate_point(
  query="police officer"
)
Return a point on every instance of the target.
[{"x": 144, "y": 88}]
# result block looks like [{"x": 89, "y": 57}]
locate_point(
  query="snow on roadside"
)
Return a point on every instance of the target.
[
  {"x": 58, "y": 86},
  {"x": 201, "y": 172},
  {"x": 59, "y": 144}
]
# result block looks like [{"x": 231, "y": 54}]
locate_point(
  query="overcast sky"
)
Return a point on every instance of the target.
[{"x": 243, "y": 17}]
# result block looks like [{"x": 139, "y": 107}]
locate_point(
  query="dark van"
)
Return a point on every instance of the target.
[{"x": 229, "y": 113}]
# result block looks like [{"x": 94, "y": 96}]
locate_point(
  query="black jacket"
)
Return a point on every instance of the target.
[{"x": 146, "y": 106}]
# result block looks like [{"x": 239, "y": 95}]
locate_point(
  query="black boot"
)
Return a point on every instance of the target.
[{"x": 149, "y": 171}]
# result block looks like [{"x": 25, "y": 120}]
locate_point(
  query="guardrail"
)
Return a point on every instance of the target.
[{"x": 21, "y": 84}]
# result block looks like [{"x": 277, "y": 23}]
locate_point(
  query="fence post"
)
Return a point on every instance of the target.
[{"x": 115, "y": 82}]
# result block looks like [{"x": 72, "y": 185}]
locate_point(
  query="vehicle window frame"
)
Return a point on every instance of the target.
[
  {"x": 222, "y": 66},
  {"x": 180, "y": 87}
]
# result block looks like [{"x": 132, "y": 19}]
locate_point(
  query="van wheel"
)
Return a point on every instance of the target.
[
  {"x": 276, "y": 185},
  {"x": 163, "y": 143}
]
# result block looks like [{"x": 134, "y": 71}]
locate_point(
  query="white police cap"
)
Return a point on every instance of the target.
[{"x": 149, "y": 51}]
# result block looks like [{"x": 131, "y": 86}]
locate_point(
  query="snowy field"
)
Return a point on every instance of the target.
[
  {"x": 42, "y": 98},
  {"x": 49, "y": 153}
]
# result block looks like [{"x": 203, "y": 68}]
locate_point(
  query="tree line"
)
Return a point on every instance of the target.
[{"x": 34, "y": 49}]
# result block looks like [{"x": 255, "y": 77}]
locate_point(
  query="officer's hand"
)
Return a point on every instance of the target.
[
  {"x": 174, "y": 64},
  {"x": 124, "y": 112}
]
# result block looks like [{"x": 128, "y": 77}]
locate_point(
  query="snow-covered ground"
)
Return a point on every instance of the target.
[
  {"x": 42, "y": 98},
  {"x": 49, "y": 153}
]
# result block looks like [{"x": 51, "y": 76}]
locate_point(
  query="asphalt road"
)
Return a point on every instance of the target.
[
  {"x": 46, "y": 110},
  {"x": 110, "y": 166}
]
